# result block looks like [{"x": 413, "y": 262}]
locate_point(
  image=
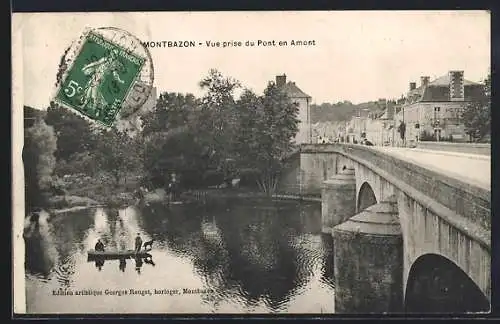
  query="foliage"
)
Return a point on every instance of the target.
[
  {"x": 205, "y": 141},
  {"x": 171, "y": 111},
  {"x": 477, "y": 116},
  {"x": 275, "y": 126},
  {"x": 63, "y": 143},
  {"x": 170, "y": 141},
  {"x": 74, "y": 133},
  {"x": 217, "y": 138},
  {"x": 38, "y": 157},
  {"x": 117, "y": 154},
  {"x": 219, "y": 120},
  {"x": 84, "y": 162},
  {"x": 81, "y": 148}
]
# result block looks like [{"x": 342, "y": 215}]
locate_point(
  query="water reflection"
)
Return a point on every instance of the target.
[
  {"x": 252, "y": 256},
  {"x": 39, "y": 246},
  {"x": 123, "y": 265},
  {"x": 139, "y": 261}
]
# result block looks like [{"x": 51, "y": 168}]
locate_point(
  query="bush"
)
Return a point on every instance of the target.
[
  {"x": 249, "y": 177},
  {"x": 212, "y": 178}
]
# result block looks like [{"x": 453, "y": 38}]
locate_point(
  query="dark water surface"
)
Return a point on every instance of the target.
[{"x": 245, "y": 256}]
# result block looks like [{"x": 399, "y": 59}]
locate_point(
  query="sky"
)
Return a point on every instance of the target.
[{"x": 358, "y": 55}]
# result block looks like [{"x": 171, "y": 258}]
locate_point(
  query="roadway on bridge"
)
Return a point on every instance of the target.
[{"x": 474, "y": 169}]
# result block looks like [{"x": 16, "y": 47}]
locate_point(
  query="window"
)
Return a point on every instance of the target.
[{"x": 436, "y": 116}]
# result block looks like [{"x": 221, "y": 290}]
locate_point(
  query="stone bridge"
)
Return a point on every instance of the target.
[{"x": 411, "y": 228}]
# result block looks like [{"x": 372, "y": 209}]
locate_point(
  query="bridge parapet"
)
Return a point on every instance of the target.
[{"x": 467, "y": 207}]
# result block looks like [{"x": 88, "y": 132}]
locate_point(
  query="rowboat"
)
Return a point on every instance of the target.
[{"x": 110, "y": 255}]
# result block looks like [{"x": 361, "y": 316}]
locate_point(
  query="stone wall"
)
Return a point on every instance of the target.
[
  {"x": 368, "y": 261},
  {"x": 471, "y": 148},
  {"x": 306, "y": 173},
  {"x": 425, "y": 232},
  {"x": 289, "y": 182},
  {"x": 314, "y": 169}
]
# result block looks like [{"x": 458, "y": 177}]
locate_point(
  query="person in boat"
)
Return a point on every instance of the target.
[
  {"x": 138, "y": 243},
  {"x": 99, "y": 263},
  {"x": 99, "y": 246},
  {"x": 123, "y": 264},
  {"x": 138, "y": 264}
]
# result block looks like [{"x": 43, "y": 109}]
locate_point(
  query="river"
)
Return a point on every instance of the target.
[{"x": 239, "y": 256}]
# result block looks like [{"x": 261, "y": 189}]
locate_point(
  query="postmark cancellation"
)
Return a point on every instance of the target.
[{"x": 109, "y": 76}]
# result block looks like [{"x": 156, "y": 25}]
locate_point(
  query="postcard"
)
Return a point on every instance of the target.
[{"x": 251, "y": 162}]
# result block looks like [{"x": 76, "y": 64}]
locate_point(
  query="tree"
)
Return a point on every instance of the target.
[
  {"x": 117, "y": 154},
  {"x": 82, "y": 162},
  {"x": 38, "y": 157},
  {"x": 477, "y": 116},
  {"x": 248, "y": 107},
  {"x": 74, "y": 133},
  {"x": 268, "y": 127},
  {"x": 218, "y": 134},
  {"x": 172, "y": 110},
  {"x": 173, "y": 140},
  {"x": 219, "y": 120}
]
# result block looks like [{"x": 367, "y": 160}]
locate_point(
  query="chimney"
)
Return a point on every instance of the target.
[
  {"x": 280, "y": 80},
  {"x": 413, "y": 86},
  {"x": 456, "y": 85},
  {"x": 424, "y": 81}
]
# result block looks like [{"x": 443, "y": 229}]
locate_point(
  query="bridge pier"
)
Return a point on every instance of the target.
[
  {"x": 368, "y": 261},
  {"x": 338, "y": 199}
]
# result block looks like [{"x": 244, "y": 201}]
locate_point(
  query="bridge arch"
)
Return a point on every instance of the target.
[
  {"x": 437, "y": 285},
  {"x": 366, "y": 197}
]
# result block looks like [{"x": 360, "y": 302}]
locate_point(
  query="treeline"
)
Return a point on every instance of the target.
[
  {"x": 205, "y": 141},
  {"x": 343, "y": 110},
  {"x": 216, "y": 138}
]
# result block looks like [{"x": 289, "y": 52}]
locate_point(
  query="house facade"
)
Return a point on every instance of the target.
[
  {"x": 303, "y": 100},
  {"x": 434, "y": 108}
]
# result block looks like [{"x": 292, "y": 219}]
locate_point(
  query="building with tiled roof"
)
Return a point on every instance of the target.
[
  {"x": 304, "y": 134},
  {"x": 434, "y": 108}
]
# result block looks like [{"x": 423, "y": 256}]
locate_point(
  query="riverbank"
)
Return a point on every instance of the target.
[
  {"x": 210, "y": 195},
  {"x": 75, "y": 195},
  {"x": 64, "y": 203},
  {"x": 95, "y": 196}
]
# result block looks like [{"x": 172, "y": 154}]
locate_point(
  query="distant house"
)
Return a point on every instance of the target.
[
  {"x": 304, "y": 134},
  {"x": 435, "y": 107},
  {"x": 325, "y": 132}
]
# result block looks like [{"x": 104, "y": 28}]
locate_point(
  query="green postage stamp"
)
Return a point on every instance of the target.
[{"x": 100, "y": 79}]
